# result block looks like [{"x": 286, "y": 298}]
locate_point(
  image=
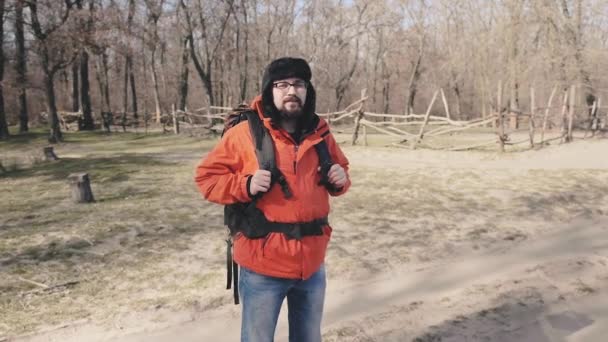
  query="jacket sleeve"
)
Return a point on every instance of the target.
[
  {"x": 219, "y": 177},
  {"x": 339, "y": 158}
]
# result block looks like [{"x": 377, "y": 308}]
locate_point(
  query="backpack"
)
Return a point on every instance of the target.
[{"x": 246, "y": 217}]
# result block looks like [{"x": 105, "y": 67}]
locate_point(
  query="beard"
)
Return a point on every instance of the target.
[{"x": 292, "y": 108}]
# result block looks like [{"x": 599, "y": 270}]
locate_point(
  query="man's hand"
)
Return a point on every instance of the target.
[
  {"x": 260, "y": 182},
  {"x": 337, "y": 176}
]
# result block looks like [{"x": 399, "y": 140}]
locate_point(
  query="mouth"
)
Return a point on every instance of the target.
[{"x": 292, "y": 100}]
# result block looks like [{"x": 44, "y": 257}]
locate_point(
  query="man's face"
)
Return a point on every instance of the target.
[{"x": 289, "y": 96}]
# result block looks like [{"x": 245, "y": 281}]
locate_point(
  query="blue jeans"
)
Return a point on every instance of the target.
[{"x": 261, "y": 299}]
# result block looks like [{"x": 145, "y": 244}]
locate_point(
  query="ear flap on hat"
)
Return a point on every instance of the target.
[
  {"x": 272, "y": 112},
  {"x": 283, "y": 68}
]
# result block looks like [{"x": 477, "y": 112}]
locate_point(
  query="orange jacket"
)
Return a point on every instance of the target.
[{"x": 222, "y": 178}]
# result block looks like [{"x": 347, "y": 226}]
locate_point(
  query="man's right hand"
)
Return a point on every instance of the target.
[{"x": 260, "y": 182}]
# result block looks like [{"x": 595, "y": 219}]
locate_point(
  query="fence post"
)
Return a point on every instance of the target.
[
  {"x": 572, "y": 103},
  {"x": 546, "y": 115},
  {"x": 599, "y": 107},
  {"x": 501, "y": 121},
  {"x": 564, "y": 118},
  {"x": 445, "y": 105},
  {"x": 357, "y": 124},
  {"x": 426, "y": 121},
  {"x": 593, "y": 120},
  {"x": 175, "y": 121},
  {"x": 358, "y": 118},
  {"x": 532, "y": 111}
]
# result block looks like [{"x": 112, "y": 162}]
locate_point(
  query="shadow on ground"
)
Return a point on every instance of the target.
[{"x": 110, "y": 169}]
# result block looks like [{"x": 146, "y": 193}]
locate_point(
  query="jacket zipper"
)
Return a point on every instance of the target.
[{"x": 297, "y": 146}]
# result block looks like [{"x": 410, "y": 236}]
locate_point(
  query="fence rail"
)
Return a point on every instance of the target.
[{"x": 411, "y": 130}]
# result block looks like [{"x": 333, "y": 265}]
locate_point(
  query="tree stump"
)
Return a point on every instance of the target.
[
  {"x": 81, "y": 188},
  {"x": 49, "y": 153},
  {"x": 108, "y": 120}
]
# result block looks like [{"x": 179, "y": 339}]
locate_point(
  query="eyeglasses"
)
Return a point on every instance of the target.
[{"x": 284, "y": 85}]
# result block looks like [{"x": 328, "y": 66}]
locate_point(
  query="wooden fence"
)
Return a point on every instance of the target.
[{"x": 420, "y": 130}]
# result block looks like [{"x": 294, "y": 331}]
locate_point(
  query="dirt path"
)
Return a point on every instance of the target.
[{"x": 548, "y": 289}]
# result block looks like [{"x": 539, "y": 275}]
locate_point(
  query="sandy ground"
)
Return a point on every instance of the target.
[{"x": 532, "y": 282}]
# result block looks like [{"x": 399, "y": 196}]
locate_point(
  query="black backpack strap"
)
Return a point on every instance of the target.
[
  {"x": 264, "y": 151},
  {"x": 325, "y": 163},
  {"x": 232, "y": 271},
  {"x": 264, "y": 148}
]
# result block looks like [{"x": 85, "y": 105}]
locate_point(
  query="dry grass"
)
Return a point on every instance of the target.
[
  {"x": 151, "y": 242},
  {"x": 119, "y": 248}
]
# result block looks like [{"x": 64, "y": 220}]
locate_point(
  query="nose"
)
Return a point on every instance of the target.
[{"x": 291, "y": 89}]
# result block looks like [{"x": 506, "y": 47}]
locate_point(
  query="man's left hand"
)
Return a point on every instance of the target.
[{"x": 337, "y": 176}]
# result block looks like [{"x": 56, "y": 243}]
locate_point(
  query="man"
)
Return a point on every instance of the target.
[{"x": 288, "y": 261}]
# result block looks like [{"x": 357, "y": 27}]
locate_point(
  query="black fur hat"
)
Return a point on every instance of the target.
[
  {"x": 286, "y": 67},
  {"x": 282, "y": 68}
]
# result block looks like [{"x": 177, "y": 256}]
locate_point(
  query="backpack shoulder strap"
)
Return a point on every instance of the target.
[
  {"x": 325, "y": 163},
  {"x": 264, "y": 151},
  {"x": 264, "y": 147}
]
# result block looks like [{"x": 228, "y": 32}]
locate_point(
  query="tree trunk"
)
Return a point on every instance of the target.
[
  {"x": 50, "y": 66},
  {"x": 20, "y": 67},
  {"x": 155, "y": 83},
  {"x": 49, "y": 88},
  {"x": 125, "y": 93},
  {"x": 514, "y": 34},
  {"x": 244, "y": 74},
  {"x": 129, "y": 76},
  {"x": 133, "y": 89},
  {"x": 344, "y": 81},
  {"x": 572, "y": 33},
  {"x": 458, "y": 101},
  {"x": 106, "y": 81},
  {"x": 85, "y": 97},
  {"x": 204, "y": 71},
  {"x": 412, "y": 86},
  {"x": 220, "y": 90},
  {"x": 75, "y": 87},
  {"x": 100, "y": 84},
  {"x": 3, "y": 124},
  {"x": 204, "y": 76},
  {"x": 183, "y": 78},
  {"x": 386, "y": 88}
]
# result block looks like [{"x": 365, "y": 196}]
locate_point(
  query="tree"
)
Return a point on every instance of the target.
[
  {"x": 99, "y": 45},
  {"x": 400, "y": 56},
  {"x": 3, "y": 124},
  {"x": 129, "y": 76},
  {"x": 417, "y": 16},
  {"x": 182, "y": 90},
  {"x": 86, "y": 23},
  {"x": 204, "y": 60},
  {"x": 20, "y": 66},
  {"x": 152, "y": 40},
  {"x": 55, "y": 51},
  {"x": 75, "y": 86}
]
